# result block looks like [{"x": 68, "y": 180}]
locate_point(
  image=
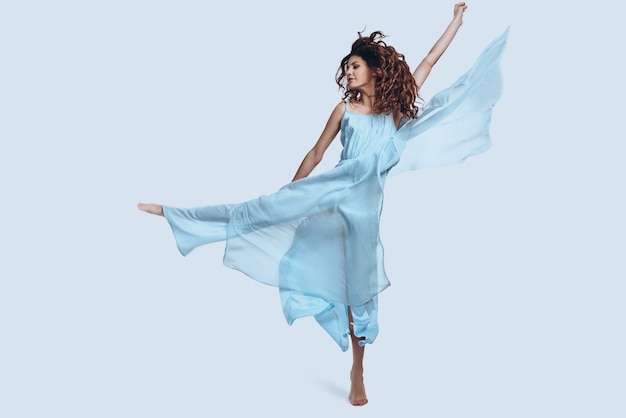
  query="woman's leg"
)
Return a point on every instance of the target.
[
  {"x": 151, "y": 208},
  {"x": 357, "y": 395}
]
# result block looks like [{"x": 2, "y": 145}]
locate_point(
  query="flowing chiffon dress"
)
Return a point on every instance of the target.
[{"x": 317, "y": 238}]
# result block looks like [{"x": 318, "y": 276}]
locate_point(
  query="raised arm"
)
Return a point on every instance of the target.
[
  {"x": 314, "y": 156},
  {"x": 423, "y": 70}
]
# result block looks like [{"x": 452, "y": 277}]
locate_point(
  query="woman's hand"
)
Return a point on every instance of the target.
[{"x": 459, "y": 8}]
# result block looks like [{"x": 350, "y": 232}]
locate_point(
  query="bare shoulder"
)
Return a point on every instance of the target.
[
  {"x": 340, "y": 108},
  {"x": 337, "y": 113}
]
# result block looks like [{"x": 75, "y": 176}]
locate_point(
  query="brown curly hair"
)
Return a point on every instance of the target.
[{"x": 396, "y": 90}]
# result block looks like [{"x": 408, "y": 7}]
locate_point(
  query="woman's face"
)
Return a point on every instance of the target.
[{"x": 359, "y": 74}]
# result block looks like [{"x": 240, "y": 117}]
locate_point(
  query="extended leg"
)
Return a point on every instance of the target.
[
  {"x": 151, "y": 208},
  {"x": 357, "y": 395}
]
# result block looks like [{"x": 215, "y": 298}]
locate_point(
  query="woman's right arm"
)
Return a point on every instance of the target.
[{"x": 314, "y": 156}]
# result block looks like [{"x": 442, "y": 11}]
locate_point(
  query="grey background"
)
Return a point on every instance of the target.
[{"x": 507, "y": 271}]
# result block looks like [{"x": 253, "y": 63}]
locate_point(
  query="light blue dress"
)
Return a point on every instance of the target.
[{"x": 317, "y": 239}]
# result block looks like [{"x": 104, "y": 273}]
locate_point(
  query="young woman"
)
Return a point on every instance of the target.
[{"x": 317, "y": 238}]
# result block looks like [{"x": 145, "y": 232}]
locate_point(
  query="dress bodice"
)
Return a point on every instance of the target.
[{"x": 364, "y": 134}]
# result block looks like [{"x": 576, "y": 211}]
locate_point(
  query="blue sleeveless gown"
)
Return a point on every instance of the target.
[{"x": 317, "y": 239}]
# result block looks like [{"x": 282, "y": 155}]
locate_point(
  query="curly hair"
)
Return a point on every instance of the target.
[{"x": 396, "y": 90}]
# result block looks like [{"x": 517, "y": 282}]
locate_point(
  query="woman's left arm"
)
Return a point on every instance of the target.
[
  {"x": 314, "y": 156},
  {"x": 423, "y": 70}
]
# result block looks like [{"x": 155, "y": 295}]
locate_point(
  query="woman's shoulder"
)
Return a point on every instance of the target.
[
  {"x": 341, "y": 106},
  {"x": 339, "y": 110}
]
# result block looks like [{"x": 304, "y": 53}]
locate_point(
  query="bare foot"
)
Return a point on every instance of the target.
[
  {"x": 151, "y": 208},
  {"x": 357, "y": 395}
]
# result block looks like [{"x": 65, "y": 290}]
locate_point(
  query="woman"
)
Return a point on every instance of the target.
[{"x": 317, "y": 238}]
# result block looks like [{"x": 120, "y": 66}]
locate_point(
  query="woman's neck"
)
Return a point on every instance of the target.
[{"x": 368, "y": 98}]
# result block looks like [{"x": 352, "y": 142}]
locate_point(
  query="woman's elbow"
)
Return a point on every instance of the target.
[{"x": 316, "y": 156}]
